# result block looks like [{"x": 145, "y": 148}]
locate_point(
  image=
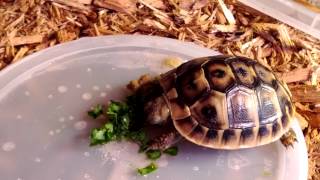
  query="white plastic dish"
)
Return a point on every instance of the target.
[
  {"x": 44, "y": 127},
  {"x": 289, "y": 12}
]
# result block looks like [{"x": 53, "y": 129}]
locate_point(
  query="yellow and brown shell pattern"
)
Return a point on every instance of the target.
[{"x": 226, "y": 102}]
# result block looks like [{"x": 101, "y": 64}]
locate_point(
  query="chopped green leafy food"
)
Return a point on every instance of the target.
[
  {"x": 173, "y": 151},
  {"x": 120, "y": 123},
  {"x": 118, "y": 115},
  {"x": 96, "y": 111},
  {"x": 124, "y": 121},
  {"x": 139, "y": 137},
  {"x": 102, "y": 135},
  {"x": 153, "y": 154},
  {"x": 148, "y": 169}
]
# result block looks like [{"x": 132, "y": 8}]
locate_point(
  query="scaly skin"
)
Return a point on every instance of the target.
[
  {"x": 164, "y": 141},
  {"x": 157, "y": 111},
  {"x": 288, "y": 138}
]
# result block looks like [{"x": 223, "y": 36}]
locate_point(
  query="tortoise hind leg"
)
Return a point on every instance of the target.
[
  {"x": 164, "y": 141},
  {"x": 288, "y": 138}
]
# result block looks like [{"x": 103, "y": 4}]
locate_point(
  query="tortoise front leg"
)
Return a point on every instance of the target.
[
  {"x": 164, "y": 141},
  {"x": 288, "y": 138}
]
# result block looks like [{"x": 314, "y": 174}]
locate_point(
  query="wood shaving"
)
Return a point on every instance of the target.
[
  {"x": 158, "y": 4},
  {"x": 23, "y": 40},
  {"x": 84, "y": 1},
  {"x": 223, "y": 28},
  {"x": 227, "y": 13},
  {"x": 22, "y": 51},
  {"x": 302, "y": 121},
  {"x": 303, "y": 93},
  {"x": 313, "y": 119},
  {"x": 126, "y": 6},
  {"x": 301, "y": 75},
  {"x": 27, "y": 26},
  {"x": 74, "y": 6}
]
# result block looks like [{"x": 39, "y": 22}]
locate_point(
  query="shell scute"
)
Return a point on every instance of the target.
[
  {"x": 276, "y": 129},
  {"x": 242, "y": 108},
  {"x": 198, "y": 133},
  {"x": 211, "y": 110},
  {"x": 269, "y": 107},
  {"x": 219, "y": 75},
  {"x": 212, "y": 138},
  {"x": 168, "y": 80},
  {"x": 244, "y": 73},
  {"x": 264, "y": 74},
  {"x": 192, "y": 85},
  {"x": 186, "y": 125},
  {"x": 231, "y": 137},
  {"x": 178, "y": 109},
  {"x": 285, "y": 106},
  {"x": 248, "y": 136}
]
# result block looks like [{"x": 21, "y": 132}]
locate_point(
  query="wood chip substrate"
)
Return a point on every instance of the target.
[{"x": 27, "y": 26}]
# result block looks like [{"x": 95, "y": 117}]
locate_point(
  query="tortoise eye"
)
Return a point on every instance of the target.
[{"x": 218, "y": 73}]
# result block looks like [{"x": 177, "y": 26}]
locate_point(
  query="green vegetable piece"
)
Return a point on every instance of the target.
[
  {"x": 117, "y": 113},
  {"x": 173, "y": 151},
  {"x": 115, "y": 108},
  {"x": 102, "y": 135},
  {"x": 96, "y": 111},
  {"x": 148, "y": 169},
  {"x": 109, "y": 127},
  {"x": 153, "y": 154},
  {"x": 109, "y": 134},
  {"x": 123, "y": 122},
  {"x": 138, "y": 136},
  {"x": 97, "y": 136}
]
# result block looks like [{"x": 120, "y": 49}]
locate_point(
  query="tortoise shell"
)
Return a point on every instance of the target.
[{"x": 227, "y": 102}]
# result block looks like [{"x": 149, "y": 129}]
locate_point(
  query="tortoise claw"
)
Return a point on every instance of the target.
[{"x": 289, "y": 138}]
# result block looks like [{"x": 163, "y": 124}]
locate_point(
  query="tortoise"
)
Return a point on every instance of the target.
[{"x": 219, "y": 102}]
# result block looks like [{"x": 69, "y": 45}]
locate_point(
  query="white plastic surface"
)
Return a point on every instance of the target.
[
  {"x": 289, "y": 12},
  {"x": 44, "y": 128}
]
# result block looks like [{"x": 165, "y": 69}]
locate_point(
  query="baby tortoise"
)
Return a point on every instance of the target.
[{"x": 219, "y": 102}]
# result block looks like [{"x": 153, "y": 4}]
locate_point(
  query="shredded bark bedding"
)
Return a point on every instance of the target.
[{"x": 27, "y": 26}]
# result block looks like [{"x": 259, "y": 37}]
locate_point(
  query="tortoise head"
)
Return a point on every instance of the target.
[
  {"x": 155, "y": 108},
  {"x": 157, "y": 111}
]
